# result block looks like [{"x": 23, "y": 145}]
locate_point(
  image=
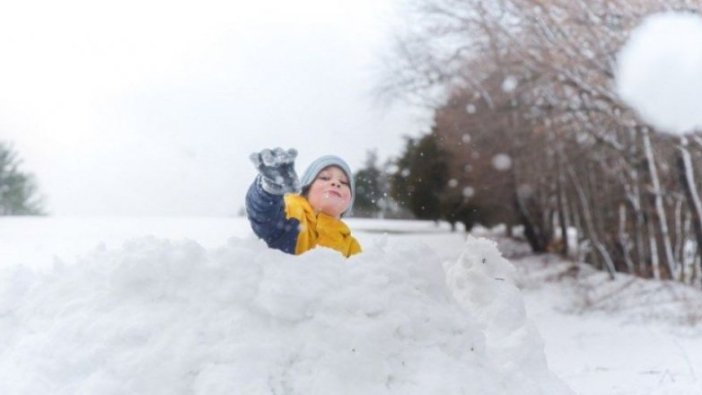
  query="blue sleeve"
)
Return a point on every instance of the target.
[{"x": 266, "y": 213}]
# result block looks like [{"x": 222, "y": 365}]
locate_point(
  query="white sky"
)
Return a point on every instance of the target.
[{"x": 152, "y": 107}]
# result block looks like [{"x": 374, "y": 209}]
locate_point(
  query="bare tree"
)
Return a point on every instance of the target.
[{"x": 534, "y": 79}]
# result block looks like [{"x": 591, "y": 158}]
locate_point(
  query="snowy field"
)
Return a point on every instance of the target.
[{"x": 90, "y": 305}]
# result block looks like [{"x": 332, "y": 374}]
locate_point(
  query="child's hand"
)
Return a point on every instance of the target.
[{"x": 277, "y": 170}]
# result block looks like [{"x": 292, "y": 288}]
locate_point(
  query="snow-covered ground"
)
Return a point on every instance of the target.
[
  {"x": 628, "y": 336},
  {"x": 462, "y": 327}
]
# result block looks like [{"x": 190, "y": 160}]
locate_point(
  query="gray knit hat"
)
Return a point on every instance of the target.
[{"x": 326, "y": 161}]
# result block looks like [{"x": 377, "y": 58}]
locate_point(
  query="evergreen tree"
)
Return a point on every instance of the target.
[
  {"x": 18, "y": 191},
  {"x": 421, "y": 177},
  {"x": 370, "y": 190}
]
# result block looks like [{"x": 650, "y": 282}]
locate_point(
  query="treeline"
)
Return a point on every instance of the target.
[{"x": 530, "y": 131}]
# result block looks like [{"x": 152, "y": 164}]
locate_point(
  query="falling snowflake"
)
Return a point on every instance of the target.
[
  {"x": 509, "y": 84},
  {"x": 468, "y": 192},
  {"x": 502, "y": 162}
]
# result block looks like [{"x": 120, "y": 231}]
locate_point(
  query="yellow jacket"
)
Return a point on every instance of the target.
[{"x": 318, "y": 229}]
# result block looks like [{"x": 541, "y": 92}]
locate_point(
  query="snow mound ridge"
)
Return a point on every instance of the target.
[{"x": 165, "y": 317}]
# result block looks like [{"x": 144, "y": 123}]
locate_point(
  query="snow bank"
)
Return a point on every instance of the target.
[{"x": 165, "y": 317}]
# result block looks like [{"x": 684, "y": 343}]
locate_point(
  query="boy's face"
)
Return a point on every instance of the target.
[{"x": 330, "y": 192}]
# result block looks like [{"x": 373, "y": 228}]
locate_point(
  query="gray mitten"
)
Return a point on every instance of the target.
[{"x": 277, "y": 170}]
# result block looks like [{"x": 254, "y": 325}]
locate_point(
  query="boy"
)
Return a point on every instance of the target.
[{"x": 295, "y": 223}]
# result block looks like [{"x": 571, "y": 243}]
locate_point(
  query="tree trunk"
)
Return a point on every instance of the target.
[
  {"x": 562, "y": 216},
  {"x": 655, "y": 258},
  {"x": 687, "y": 178},
  {"x": 624, "y": 239},
  {"x": 658, "y": 201},
  {"x": 531, "y": 230},
  {"x": 680, "y": 238},
  {"x": 592, "y": 235}
]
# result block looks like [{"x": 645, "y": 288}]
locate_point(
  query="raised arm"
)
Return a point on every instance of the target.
[{"x": 265, "y": 207}]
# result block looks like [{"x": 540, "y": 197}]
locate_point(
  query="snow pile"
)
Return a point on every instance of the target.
[
  {"x": 483, "y": 282},
  {"x": 164, "y": 317},
  {"x": 659, "y": 71}
]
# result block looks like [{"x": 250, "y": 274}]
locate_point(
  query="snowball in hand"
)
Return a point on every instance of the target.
[{"x": 659, "y": 71}]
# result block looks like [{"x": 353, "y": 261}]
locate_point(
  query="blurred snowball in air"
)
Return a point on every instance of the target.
[{"x": 659, "y": 71}]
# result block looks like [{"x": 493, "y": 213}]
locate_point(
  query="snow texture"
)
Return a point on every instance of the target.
[
  {"x": 659, "y": 69},
  {"x": 163, "y": 317}
]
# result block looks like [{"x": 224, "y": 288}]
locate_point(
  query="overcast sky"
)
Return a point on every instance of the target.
[{"x": 152, "y": 107}]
